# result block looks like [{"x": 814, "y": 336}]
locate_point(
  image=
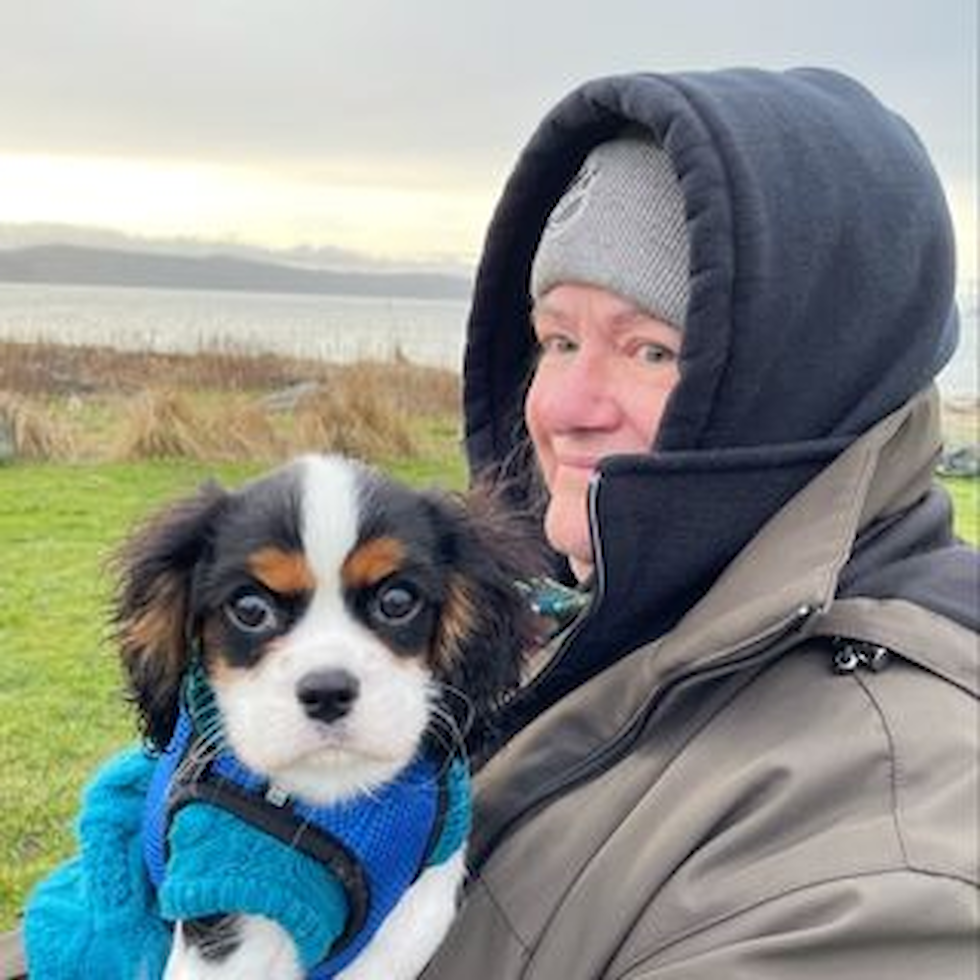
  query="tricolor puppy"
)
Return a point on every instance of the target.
[{"x": 340, "y": 620}]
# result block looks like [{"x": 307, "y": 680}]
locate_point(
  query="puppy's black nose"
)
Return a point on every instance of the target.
[{"x": 327, "y": 695}]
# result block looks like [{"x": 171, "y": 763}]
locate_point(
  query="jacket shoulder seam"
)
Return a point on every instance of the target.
[
  {"x": 893, "y": 768},
  {"x": 501, "y": 912}
]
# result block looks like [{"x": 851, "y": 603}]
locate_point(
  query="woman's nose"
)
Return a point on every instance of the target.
[{"x": 579, "y": 395}]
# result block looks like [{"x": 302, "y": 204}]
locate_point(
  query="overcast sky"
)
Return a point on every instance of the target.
[{"x": 387, "y": 126}]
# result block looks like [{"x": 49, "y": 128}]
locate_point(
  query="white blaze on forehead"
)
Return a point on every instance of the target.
[{"x": 330, "y": 516}]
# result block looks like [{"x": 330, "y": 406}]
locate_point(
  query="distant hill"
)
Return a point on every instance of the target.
[{"x": 83, "y": 265}]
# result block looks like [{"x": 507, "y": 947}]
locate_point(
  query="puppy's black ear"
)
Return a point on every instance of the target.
[
  {"x": 154, "y": 573},
  {"x": 488, "y": 629}
]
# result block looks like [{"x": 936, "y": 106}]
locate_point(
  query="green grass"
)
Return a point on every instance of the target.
[
  {"x": 61, "y": 710},
  {"x": 966, "y": 501},
  {"x": 60, "y": 706}
]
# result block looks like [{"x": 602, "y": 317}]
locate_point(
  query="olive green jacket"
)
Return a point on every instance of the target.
[{"x": 763, "y": 792}]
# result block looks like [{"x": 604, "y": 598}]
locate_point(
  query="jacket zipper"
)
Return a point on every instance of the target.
[
  {"x": 852, "y": 655},
  {"x": 565, "y": 636},
  {"x": 757, "y": 653}
]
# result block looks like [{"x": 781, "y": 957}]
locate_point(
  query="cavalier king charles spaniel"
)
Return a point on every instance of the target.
[{"x": 340, "y": 621}]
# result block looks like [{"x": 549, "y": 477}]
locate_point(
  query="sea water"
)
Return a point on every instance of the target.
[{"x": 333, "y": 328}]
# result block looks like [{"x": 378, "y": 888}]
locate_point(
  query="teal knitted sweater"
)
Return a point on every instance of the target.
[{"x": 99, "y": 916}]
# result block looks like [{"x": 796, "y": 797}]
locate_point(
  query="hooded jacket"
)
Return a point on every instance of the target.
[{"x": 754, "y": 753}]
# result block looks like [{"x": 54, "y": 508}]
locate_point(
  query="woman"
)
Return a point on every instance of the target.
[{"x": 753, "y": 752}]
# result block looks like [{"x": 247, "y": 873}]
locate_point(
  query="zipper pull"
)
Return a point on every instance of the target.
[{"x": 851, "y": 655}]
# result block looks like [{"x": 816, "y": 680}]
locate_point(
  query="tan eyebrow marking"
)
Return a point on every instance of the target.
[
  {"x": 285, "y": 572},
  {"x": 371, "y": 562}
]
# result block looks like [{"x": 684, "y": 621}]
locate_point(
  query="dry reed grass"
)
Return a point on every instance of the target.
[
  {"x": 340, "y": 417},
  {"x": 961, "y": 422},
  {"x": 244, "y": 431},
  {"x": 163, "y": 425},
  {"x": 216, "y": 405},
  {"x": 407, "y": 387},
  {"x": 53, "y": 369},
  {"x": 355, "y": 417},
  {"x": 35, "y": 369},
  {"x": 31, "y": 434}
]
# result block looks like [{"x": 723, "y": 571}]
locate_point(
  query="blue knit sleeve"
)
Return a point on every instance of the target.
[{"x": 96, "y": 915}]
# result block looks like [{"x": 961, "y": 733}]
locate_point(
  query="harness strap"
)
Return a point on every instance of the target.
[{"x": 281, "y": 822}]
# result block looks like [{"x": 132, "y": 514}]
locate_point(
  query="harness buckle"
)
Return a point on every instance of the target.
[{"x": 276, "y": 795}]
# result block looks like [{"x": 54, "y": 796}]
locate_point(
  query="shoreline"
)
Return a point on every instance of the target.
[{"x": 76, "y": 390}]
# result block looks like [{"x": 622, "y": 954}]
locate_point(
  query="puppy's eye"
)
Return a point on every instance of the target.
[
  {"x": 395, "y": 604},
  {"x": 252, "y": 613}
]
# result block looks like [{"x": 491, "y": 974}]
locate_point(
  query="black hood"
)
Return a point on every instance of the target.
[
  {"x": 816, "y": 221},
  {"x": 822, "y": 279}
]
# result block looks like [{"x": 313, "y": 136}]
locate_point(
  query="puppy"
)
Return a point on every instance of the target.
[{"x": 341, "y": 622}]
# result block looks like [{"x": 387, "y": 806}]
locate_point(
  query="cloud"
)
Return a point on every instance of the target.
[
  {"x": 315, "y": 78},
  {"x": 431, "y": 96}
]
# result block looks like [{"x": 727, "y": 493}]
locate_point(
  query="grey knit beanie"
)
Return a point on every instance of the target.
[{"x": 620, "y": 225}]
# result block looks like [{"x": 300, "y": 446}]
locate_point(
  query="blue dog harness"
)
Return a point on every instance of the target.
[{"x": 374, "y": 845}]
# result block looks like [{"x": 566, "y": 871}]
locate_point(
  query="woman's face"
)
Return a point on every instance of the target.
[{"x": 604, "y": 373}]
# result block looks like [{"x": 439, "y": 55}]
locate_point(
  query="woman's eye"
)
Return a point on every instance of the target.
[
  {"x": 654, "y": 353},
  {"x": 556, "y": 344},
  {"x": 252, "y": 613},
  {"x": 396, "y": 604}
]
